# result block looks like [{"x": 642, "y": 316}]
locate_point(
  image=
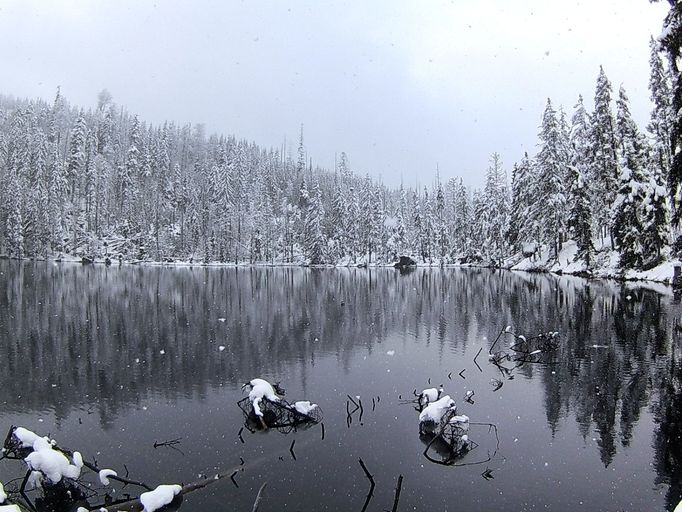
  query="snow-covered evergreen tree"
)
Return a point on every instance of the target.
[
  {"x": 627, "y": 212},
  {"x": 440, "y": 227},
  {"x": 419, "y": 242},
  {"x": 660, "y": 122},
  {"x": 551, "y": 169},
  {"x": 398, "y": 240},
  {"x": 462, "y": 225},
  {"x": 76, "y": 155},
  {"x": 478, "y": 245},
  {"x": 580, "y": 217},
  {"x": 655, "y": 212},
  {"x": 314, "y": 241},
  {"x": 428, "y": 226},
  {"x": 495, "y": 196},
  {"x": 14, "y": 233},
  {"x": 604, "y": 155},
  {"x": 670, "y": 41}
]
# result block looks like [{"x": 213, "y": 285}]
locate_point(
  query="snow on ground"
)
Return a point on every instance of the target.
[
  {"x": 159, "y": 497},
  {"x": 9, "y": 508},
  {"x": 565, "y": 263},
  {"x": 3, "y": 496},
  {"x": 606, "y": 264},
  {"x": 663, "y": 273}
]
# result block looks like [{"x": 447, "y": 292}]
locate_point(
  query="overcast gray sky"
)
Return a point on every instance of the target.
[{"x": 400, "y": 86}]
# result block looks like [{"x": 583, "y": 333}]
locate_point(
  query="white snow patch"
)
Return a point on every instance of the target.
[
  {"x": 35, "y": 480},
  {"x": 304, "y": 407},
  {"x": 221, "y": 348},
  {"x": 105, "y": 474},
  {"x": 25, "y": 436},
  {"x": 662, "y": 273},
  {"x": 77, "y": 459},
  {"x": 435, "y": 411},
  {"x": 260, "y": 389},
  {"x": 390, "y": 353},
  {"x": 255, "y": 403},
  {"x": 429, "y": 395},
  {"x": 461, "y": 421},
  {"x": 9, "y": 508},
  {"x": 605, "y": 264},
  {"x": 159, "y": 497},
  {"x": 3, "y": 495},
  {"x": 51, "y": 463}
]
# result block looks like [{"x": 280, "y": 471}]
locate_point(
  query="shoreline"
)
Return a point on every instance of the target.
[{"x": 661, "y": 274}]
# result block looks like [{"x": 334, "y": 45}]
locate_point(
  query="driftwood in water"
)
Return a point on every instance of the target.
[{"x": 279, "y": 415}]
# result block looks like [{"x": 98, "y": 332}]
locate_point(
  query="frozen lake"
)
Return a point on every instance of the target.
[{"x": 111, "y": 360}]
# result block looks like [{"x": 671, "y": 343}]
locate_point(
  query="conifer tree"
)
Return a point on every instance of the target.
[
  {"x": 497, "y": 207},
  {"x": 515, "y": 211},
  {"x": 627, "y": 213},
  {"x": 427, "y": 227},
  {"x": 527, "y": 205},
  {"x": 339, "y": 210},
  {"x": 551, "y": 166},
  {"x": 671, "y": 42},
  {"x": 418, "y": 239},
  {"x": 660, "y": 122},
  {"x": 478, "y": 247},
  {"x": 300, "y": 162},
  {"x": 580, "y": 218},
  {"x": 463, "y": 220},
  {"x": 77, "y": 155},
  {"x": 399, "y": 239},
  {"x": 440, "y": 224},
  {"x": 14, "y": 234},
  {"x": 655, "y": 218},
  {"x": 314, "y": 241},
  {"x": 604, "y": 155}
]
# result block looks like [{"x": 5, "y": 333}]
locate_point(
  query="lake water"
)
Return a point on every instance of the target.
[{"x": 111, "y": 360}]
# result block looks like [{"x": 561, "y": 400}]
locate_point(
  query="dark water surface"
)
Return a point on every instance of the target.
[{"x": 81, "y": 358}]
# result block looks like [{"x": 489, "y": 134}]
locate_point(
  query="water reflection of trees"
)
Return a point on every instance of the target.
[{"x": 72, "y": 336}]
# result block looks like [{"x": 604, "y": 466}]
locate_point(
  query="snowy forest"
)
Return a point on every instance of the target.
[{"x": 102, "y": 183}]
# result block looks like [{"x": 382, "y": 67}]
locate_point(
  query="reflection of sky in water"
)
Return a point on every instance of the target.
[{"x": 591, "y": 429}]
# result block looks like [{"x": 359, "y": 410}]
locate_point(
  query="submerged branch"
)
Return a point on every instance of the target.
[{"x": 259, "y": 496}]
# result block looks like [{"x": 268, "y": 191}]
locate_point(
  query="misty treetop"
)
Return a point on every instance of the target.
[{"x": 102, "y": 182}]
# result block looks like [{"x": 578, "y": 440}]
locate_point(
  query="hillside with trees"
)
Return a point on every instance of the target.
[{"x": 103, "y": 183}]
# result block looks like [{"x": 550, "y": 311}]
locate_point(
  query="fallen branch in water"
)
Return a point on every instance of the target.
[
  {"x": 15, "y": 449},
  {"x": 370, "y": 493},
  {"x": 259, "y": 496},
  {"x": 171, "y": 443},
  {"x": 476, "y": 357},
  {"x": 396, "y": 499}
]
